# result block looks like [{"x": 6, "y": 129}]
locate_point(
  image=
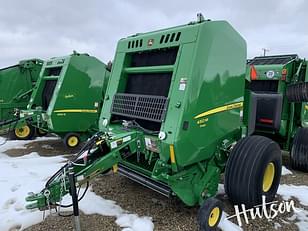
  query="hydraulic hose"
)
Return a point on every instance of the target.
[{"x": 87, "y": 146}]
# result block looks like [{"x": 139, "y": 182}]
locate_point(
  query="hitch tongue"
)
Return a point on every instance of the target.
[
  {"x": 32, "y": 206},
  {"x": 38, "y": 199}
]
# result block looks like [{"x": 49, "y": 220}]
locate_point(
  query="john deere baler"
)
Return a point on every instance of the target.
[
  {"x": 16, "y": 85},
  {"x": 171, "y": 121},
  {"x": 67, "y": 99},
  {"x": 277, "y": 103}
]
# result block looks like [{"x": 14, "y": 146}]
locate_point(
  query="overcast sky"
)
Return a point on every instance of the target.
[{"x": 44, "y": 29}]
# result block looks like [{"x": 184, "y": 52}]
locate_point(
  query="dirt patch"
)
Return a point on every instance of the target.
[
  {"x": 88, "y": 222},
  {"x": 44, "y": 148}
]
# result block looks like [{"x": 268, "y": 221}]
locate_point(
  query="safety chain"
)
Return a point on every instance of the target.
[
  {"x": 47, "y": 194},
  {"x": 62, "y": 186}
]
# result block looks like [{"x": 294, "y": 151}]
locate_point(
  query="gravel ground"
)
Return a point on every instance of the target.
[{"x": 167, "y": 214}]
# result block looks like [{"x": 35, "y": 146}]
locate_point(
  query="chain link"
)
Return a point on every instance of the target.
[
  {"x": 62, "y": 186},
  {"x": 47, "y": 194}
]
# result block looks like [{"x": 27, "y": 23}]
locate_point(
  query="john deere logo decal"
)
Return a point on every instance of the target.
[
  {"x": 270, "y": 74},
  {"x": 150, "y": 42}
]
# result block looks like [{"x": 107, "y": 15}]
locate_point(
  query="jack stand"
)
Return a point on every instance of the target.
[{"x": 72, "y": 182}]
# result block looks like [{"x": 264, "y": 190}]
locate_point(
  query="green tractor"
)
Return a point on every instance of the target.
[
  {"x": 172, "y": 121},
  {"x": 277, "y": 103},
  {"x": 66, "y": 100},
  {"x": 16, "y": 86}
]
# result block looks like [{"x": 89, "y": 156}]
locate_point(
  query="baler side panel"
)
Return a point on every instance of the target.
[
  {"x": 219, "y": 72},
  {"x": 78, "y": 100}
]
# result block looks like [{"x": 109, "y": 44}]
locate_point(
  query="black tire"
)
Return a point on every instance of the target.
[
  {"x": 253, "y": 170},
  {"x": 299, "y": 150},
  {"x": 25, "y": 132},
  {"x": 208, "y": 219},
  {"x": 297, "y": 92},
  {"x": 69, "y": 137},
  {"x": 40, "y": 132}
]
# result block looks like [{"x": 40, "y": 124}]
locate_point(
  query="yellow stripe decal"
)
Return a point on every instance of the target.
[
  {"x": 306, "y": 107},
  {"x": 220, "y": 109},
  {"x": 76, "y": 110},
  {"x": 172, "y": 156}
]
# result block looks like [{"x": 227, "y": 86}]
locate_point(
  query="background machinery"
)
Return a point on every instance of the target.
[
  {"x": 277, "y": 103},
  {"x": 66, "y": 100},
  {"x": 171, "y": 121},
  {"x": 16, "y": 86}
]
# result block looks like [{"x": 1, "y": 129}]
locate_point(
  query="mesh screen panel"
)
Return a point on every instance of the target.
[{"x": 147, "y": 107}]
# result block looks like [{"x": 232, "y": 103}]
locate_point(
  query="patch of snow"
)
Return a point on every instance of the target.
[
  {"x": 226, "y": 225},
  {"x": 131, "y": 222},
  {"x": 277, "y": 225},
  {"x": 20, "y": 144},
  {"x": 20, "y": 175},
  {"x": 47, "y": 146},
  {"x": 46, "y": 138},
  {"x": 94, "y": 204},
  {"x": 285, "y": 171},
  {"x": 221, "y": 189},
  {"x": 10, "y": 144},
  {"x": 302, "y": 222},
  {"x": 300, "y": 192},
  {"x": 292, "y": 218}
]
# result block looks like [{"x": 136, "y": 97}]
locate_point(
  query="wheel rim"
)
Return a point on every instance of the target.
[
  {"x": 23, "y": 132},
  {"x": 268, "y": 177},
  {"x": 72, "y": 141},
  {"x": 214, "y": 217}
]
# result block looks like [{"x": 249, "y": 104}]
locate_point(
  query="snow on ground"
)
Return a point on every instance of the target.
[
  {"x": 221, "y": 189},
  {"x": 301, "y": 193},
  {"x": 20, "y": 175},
  {"x": 227, "y": 225},
  {"x": 302, "y": 222},
  {"x": 285, "y": 171},
  {"x": 10, "y": 144},
  {"x": 47, "y": 146},
  {"x": 277, "y": 225},
  {"x": 93, "y": 203}
]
